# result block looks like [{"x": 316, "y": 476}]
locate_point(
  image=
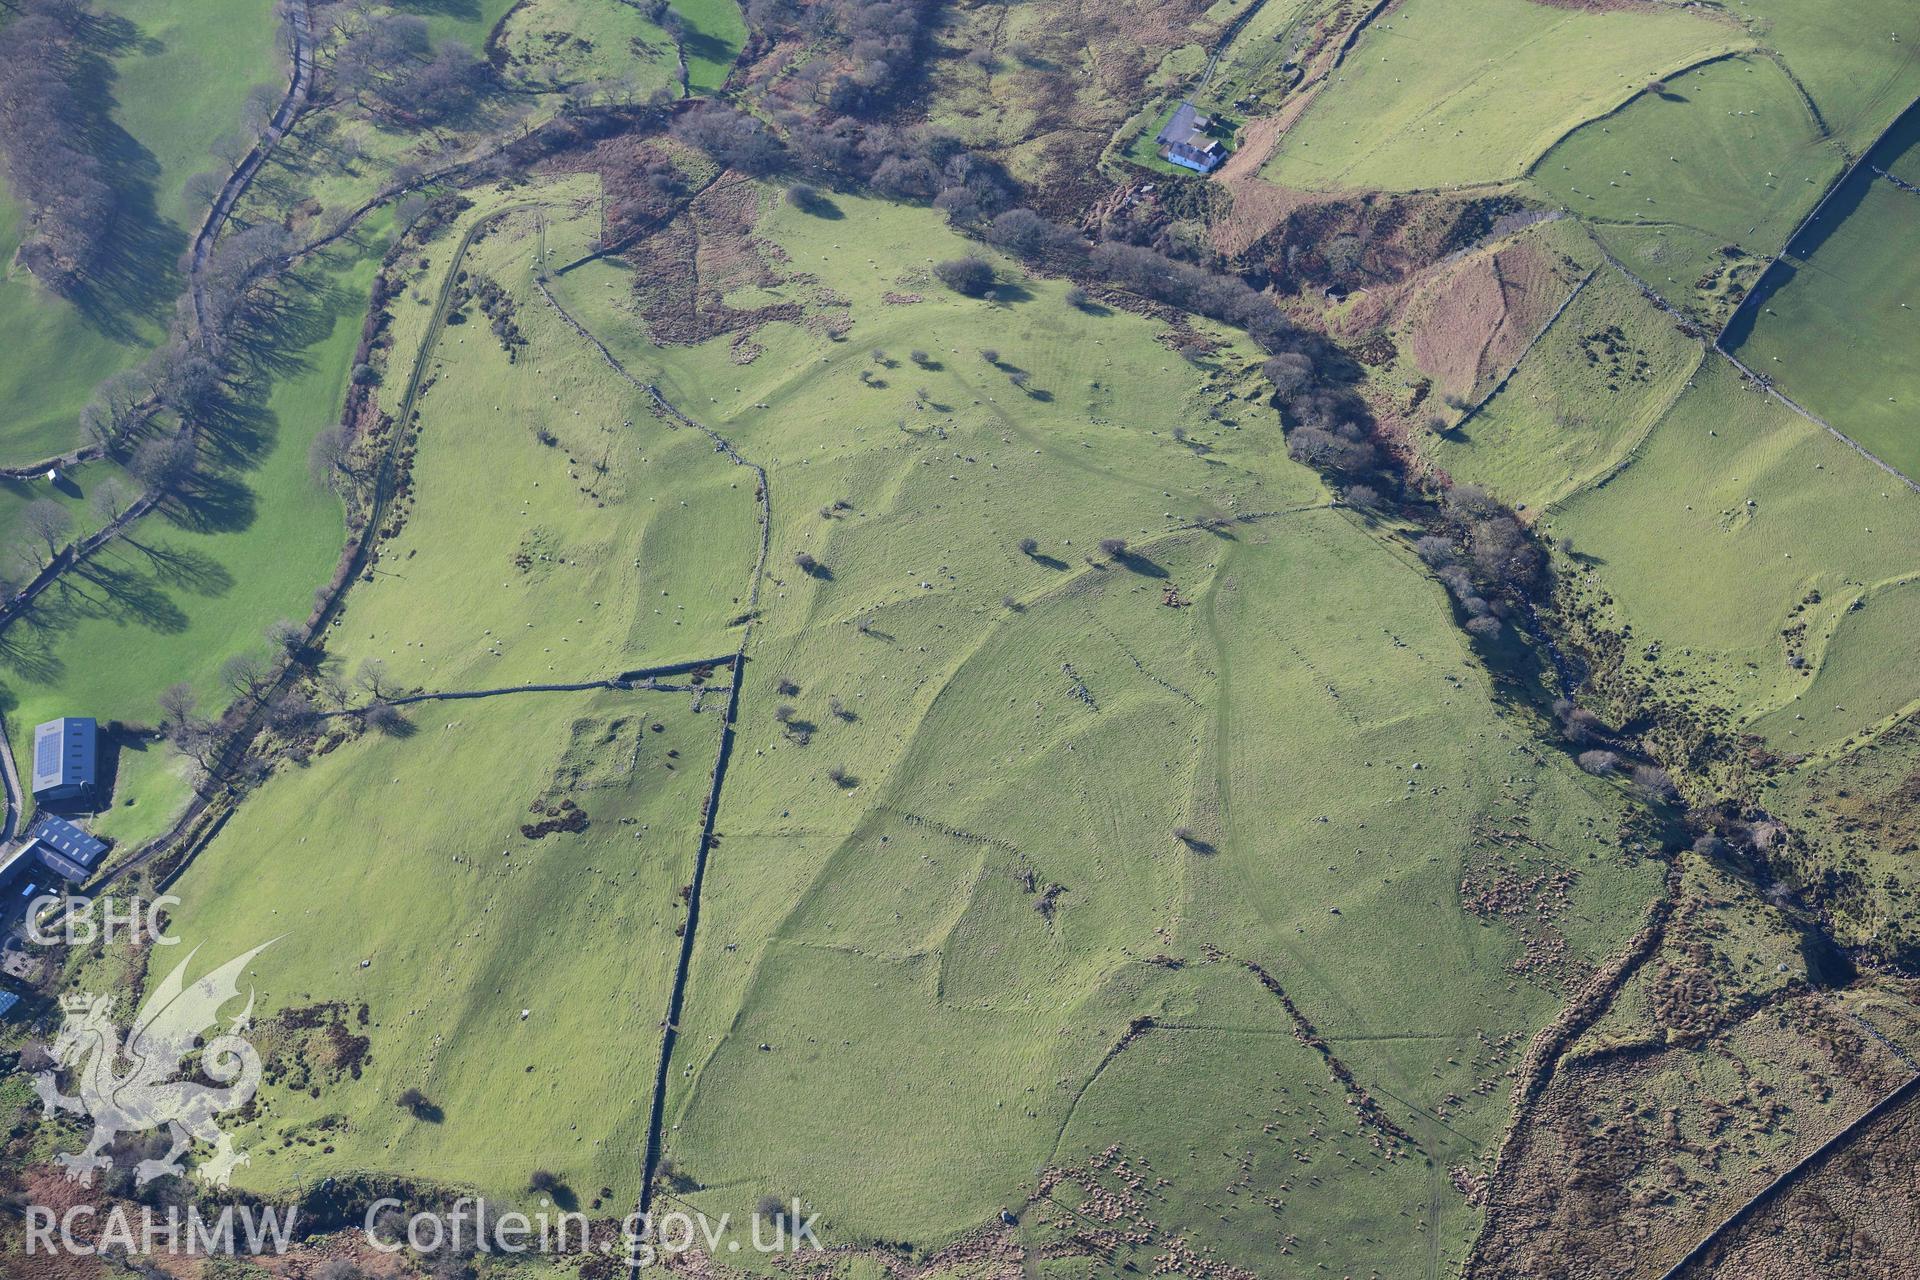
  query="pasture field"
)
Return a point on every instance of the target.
[
  {"x": 71, "y": 492},
  {"x": 468, "y": 21},
  {"x": 966, "y": 923},
  {"x": 1586, "y": 394},
  {"x": 177, "y": 74},
  {"x": 181, "y": 81},
  {"x": 1860, "y": 63},
  {"x": 56, "y": 358},
  {"x": 1837, "y": 325},
  {"x": 423, "y": 941},
  {"x": 1852, "y": 694},
  {"x": 1440, "y": 93},
  {"x": 199, "y": 580},
  {"x": 1109, "y": 850},
  {"x": 1696, "y": 187},
  {"x": 557, "y": 529},
  {"x": 567, "y": 42},
  {"x": 151, "y": 786},
  {"x": 1739, "y": 537},
  {"x": 714, "y": 33}
]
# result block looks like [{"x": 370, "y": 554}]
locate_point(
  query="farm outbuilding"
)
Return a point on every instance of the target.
[
  {"x": 66, "y": 758},
  {"x": 65, "y": 849}
]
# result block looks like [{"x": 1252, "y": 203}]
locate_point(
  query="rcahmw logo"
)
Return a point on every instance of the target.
[
  {"x": 83, "y": 1231},
  {"x": 149, "y": 1096}
]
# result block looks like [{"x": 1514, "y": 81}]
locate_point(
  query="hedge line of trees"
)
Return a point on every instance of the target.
[
  {"x": 391, "y": 64},
  {"x": 48, "y": 136}
]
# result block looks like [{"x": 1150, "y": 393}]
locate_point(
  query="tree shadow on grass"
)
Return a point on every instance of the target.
[
  {"x": 1134, "y": 562},
  {"x": 699, "y": 46},
  {"x": 112, "y": 586},
  {"x": 238, "y": 429},
  {"x": 125, "y": 595},
  {"x": 185, "y": 568},
  {"x": 821, "y": 206},
  {"x": 211, "y": 502},
  {"x": 24, "y": 651},
  {"x": 135, "y": 278}
]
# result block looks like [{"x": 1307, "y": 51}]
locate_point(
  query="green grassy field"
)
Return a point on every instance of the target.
[
  {"x": 573, "y": 42},
  {"x": 182, "y": 82},
  {"x": 1729, "y": 156},
  {"x": 1860, "y": 62},
  {"x": 558, "y": 529},
  {"x": 715, "y": 33},
  {"x": 1736, "y": 521},
  {"x": 1852, "y": 693},
  {"x": 409, "y": 909},
  {"x": 1836, "y": 327},
  {"x": 467, "y": 21},
  {"x": 1443, "y": 92},
  {"x": 969, "y": 919},
  {"x": 56, "y": 358},
  {"x": 1581, "y": 400},
  {"x": 1009, "y": 723}
]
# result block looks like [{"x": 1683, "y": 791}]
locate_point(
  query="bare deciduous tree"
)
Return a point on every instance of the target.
[{"x": 48, "y": 522}]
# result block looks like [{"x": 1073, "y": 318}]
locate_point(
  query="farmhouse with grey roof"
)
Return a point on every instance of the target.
[{"x": 1185, "y": 141}]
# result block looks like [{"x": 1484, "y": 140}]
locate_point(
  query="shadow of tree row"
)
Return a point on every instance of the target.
[{"x": 145, "y": 577}]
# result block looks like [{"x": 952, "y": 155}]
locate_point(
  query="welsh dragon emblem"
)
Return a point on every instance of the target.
[{"x": 149, "y": 1095}]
